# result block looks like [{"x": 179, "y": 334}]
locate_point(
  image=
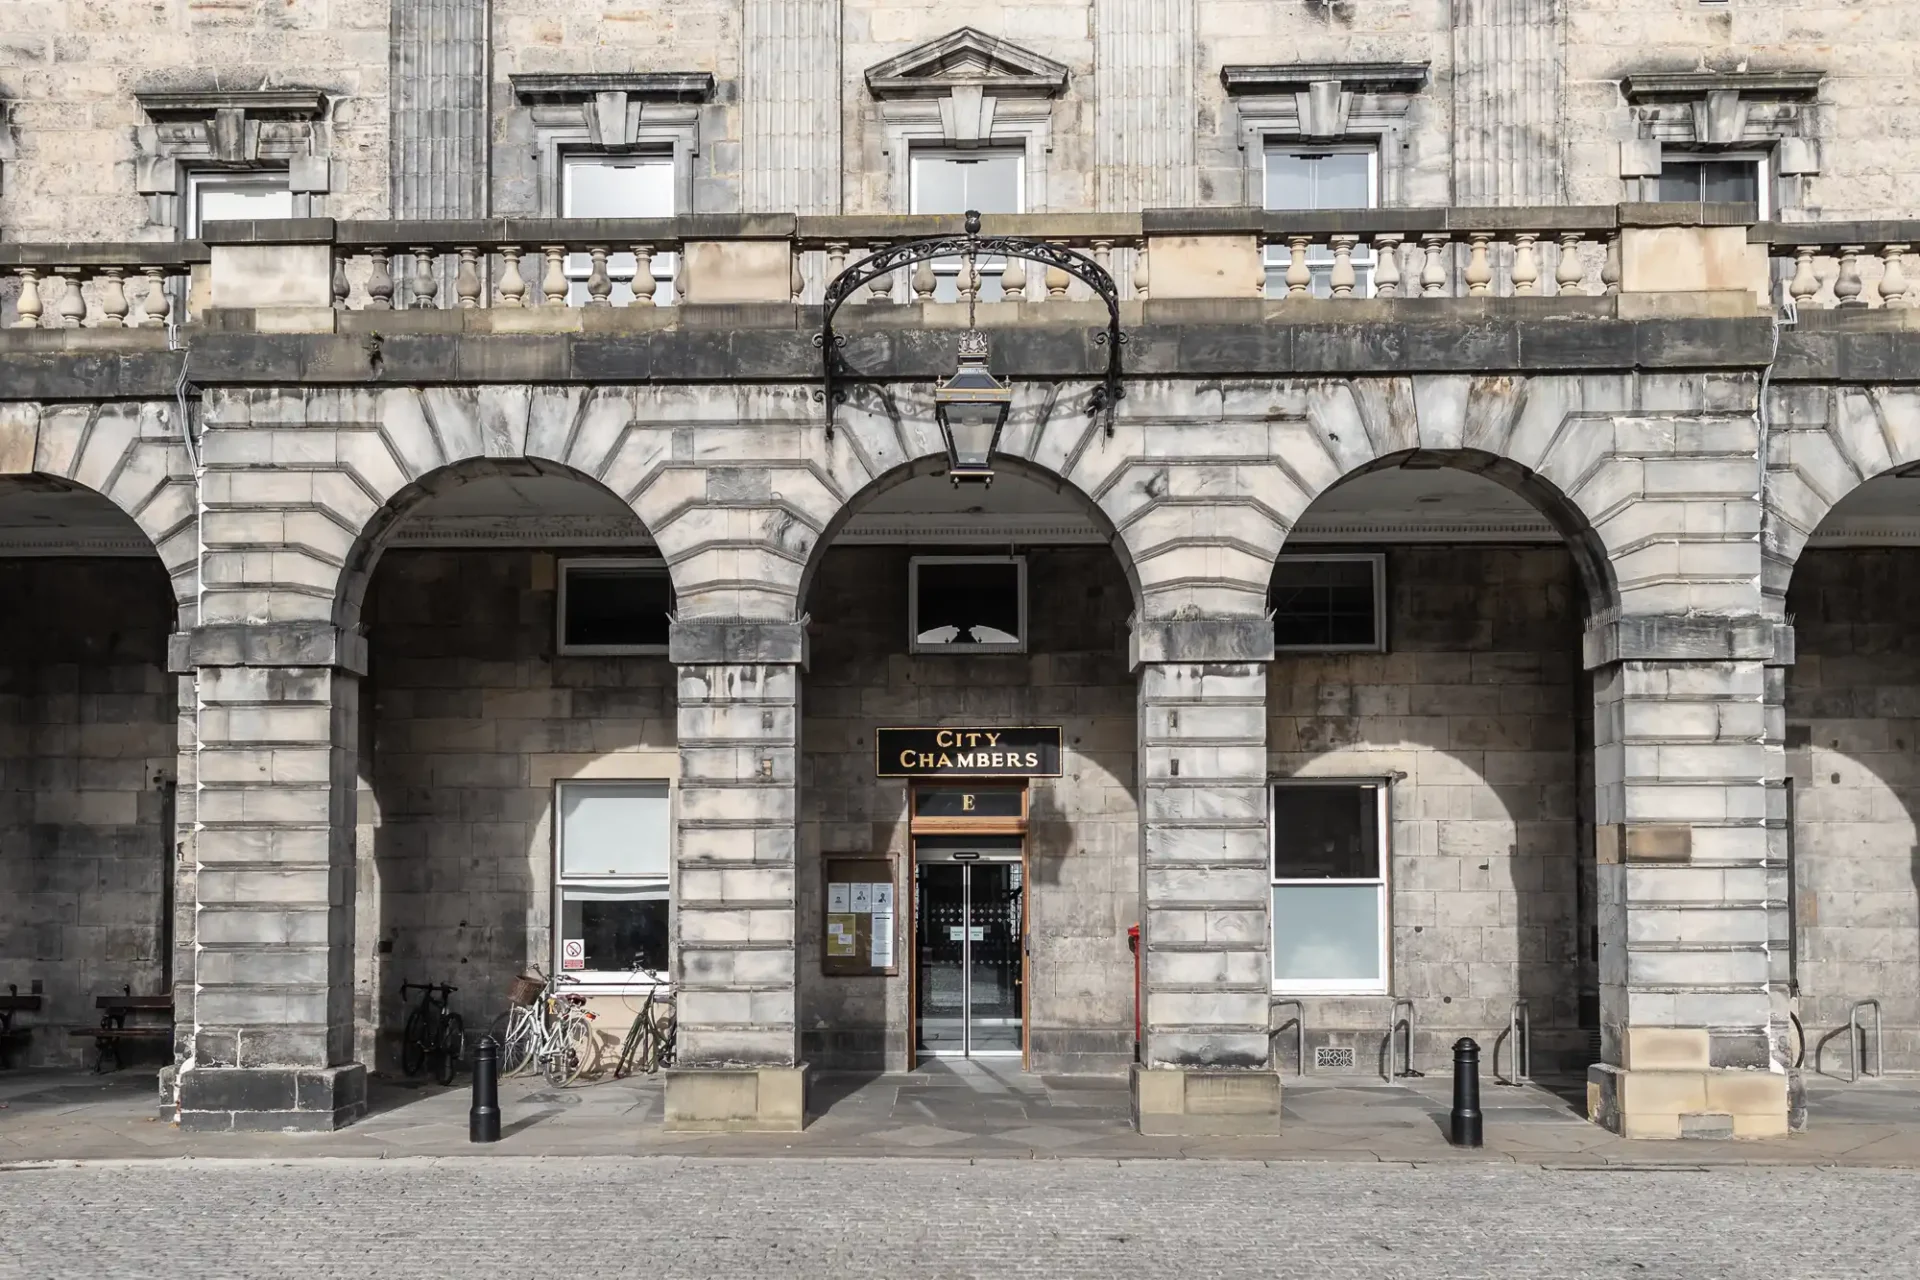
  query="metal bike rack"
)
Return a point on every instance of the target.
[
  {"x": 1855, "y": 1047},
  {"x": 1393, "y": 1031},
  {"x": 1299, "y": 1021},
  {"x": 1519, "y": 1040}
]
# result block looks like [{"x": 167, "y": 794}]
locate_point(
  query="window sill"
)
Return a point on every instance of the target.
[
  {"x": 611, "y": 651},
  {"x": 1331, "y": 990}
]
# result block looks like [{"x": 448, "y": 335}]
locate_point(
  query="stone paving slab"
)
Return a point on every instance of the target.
[{"x": 951, "y": 1114}]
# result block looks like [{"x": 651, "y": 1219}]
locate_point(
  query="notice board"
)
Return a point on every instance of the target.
[{"x": 861, "y": 917}]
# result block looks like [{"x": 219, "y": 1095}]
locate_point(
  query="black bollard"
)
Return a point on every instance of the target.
[
  {"x": 1466, "y": 1093},
  {"x": 483, "y": 1118}
]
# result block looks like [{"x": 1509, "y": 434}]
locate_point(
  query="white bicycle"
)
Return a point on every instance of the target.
[{"x": 547, "y": 1028}]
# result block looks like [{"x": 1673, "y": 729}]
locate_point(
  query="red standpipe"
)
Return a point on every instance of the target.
[{"x": 1133, "y": 944}]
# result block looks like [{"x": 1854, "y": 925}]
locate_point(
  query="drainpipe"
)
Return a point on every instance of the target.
[{"x": 1133, "y": 945}]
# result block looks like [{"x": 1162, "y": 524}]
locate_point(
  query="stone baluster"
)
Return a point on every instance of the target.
[
  {"x": 924, "y": 281},
  {"x": 1568, "y": 272},
  {"x": 1526, "y": 265},
  {"x": 138, "y": 315},
  {"x": 1057, "y": 281},
  {"x": 380, "y": 281},
  {"x": 424, "y": 284},
  {"x": 1433, "y": 275},
  {"x": 682, "y": 280},
  {"x": 29, "y": 305},
  {"x": 466, "y": 278},
  {"x": 1142, "y": 271},
  {"x": 1103, "y": 254},
  {"x": 113, "y": 298},
  {"x": 1386, "y": 264},
  {"x": 796, "y": 279},
  {"x": 1479, "y": 269},
  {"x": 553, "y": 282},
  {"x": 1804, "y": 283},
  {"x": 73, "y": 298},
  {"x": 599, "y": 282},
  {"x": 513, "y": 285},
  {"x": 342, "y": 287},
  {"x": 1847, "y": 285},
  {"x": 1013, "y": 281},
  {"x": 1893, "y": 277},
  {"x": 1298, "y": 278},
  {"x": 157, "y": 303},
  {"x": 1342, "y": 278},
  {"x": 968, "y": 281},
  {"x": 645, "y": 287},
  {"x": 836, "y": 262},
  {"x": 880, "y": 288},
  {"x": 1610, "y": 268}
]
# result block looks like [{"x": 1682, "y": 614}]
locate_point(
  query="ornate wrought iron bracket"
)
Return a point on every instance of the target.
[{"x": 835, "y": 371}]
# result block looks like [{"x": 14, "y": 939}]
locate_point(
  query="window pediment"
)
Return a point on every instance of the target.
[
  {"x": 967, "y": 58},
  {"x": 241, "y": 130}
]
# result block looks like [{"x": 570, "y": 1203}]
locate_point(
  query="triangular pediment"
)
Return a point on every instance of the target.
[{"x": 967, "y": 57}]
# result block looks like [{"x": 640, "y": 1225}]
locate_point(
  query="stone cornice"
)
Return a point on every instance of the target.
[
  {"x": 1353, "y": 77},
  {"x": 1648, "y": 85},
  {"x": 967, "y": 57},
  {"x": 654, "y": 86},
  {"x": 281, "y": 104}
]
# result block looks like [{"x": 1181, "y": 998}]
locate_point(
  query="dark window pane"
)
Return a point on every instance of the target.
[
  {"x": 623, "y": 929},
  {"x": 969, "y": 603},
  {"x": 617, "y": 606},
  {"x": 1323, "y": 602},
  {"x": 1712, "y": 181},
  {"x": 1325, "y": 833},
  {"x": 1680, "y": 181}
]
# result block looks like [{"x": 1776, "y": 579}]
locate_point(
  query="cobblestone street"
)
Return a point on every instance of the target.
[{"x": 845, "y": 1219}]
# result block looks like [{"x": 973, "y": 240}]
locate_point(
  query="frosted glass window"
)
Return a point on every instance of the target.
[
  {"x": 1327, "y": 933},
  {"x": 1320, "y": 179},
  {"x": 236, "y": 198},
  {"x": 608, "y": 186},
  {"x": 615, "y": 829},
  {"x": 988, "y": 181}
]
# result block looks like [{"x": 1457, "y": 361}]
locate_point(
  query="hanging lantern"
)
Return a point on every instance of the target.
[{"x": 972, "y": 408}]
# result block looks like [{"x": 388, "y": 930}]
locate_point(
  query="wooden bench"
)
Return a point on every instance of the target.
[
  {"x": 11, "y": 1003},
  {"x": 113, "y": 1033}
]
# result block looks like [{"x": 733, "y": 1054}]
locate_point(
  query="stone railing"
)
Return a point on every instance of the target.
[
  {"x": 1843, "y": 265},
  {"x": 303, "y": 274},
  {"x": 110, "y": 286}
]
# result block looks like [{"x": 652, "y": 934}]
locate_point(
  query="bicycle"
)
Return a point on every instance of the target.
[
  {"x": 433, "y": 1032},
  {"x": 650, "y": 1040},
  {"x": 519, "y": 1031},
  {"x": 568, "y": 1048}
]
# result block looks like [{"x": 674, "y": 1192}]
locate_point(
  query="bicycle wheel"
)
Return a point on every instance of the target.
[
  {"x": 633, "y": 1048},
  {"x": 450, "y": 1049},
  {"x": 566, "y": 1052},
  {"x": 515, "y": 1034},
  {"x": 665, "y": 1033},
  {"x": 413, "y": 1042}
]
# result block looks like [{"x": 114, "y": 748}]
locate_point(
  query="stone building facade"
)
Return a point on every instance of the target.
[{"x": 430, "y": 549}]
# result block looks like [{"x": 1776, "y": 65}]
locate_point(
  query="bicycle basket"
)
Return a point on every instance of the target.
[{"x": 524, "y": 990}]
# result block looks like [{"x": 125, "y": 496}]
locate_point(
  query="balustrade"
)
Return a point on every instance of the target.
[
  {"x": 98, "y": 286},
  {"x": 1843, "y": 266}
]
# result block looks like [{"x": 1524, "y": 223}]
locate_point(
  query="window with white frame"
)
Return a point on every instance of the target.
[
  {"x": 614, "y": 607},
  {"x": 613, "y": 863},
  {"x": 1329, "y": 874},
  {"x": 617, "y": 186},
  {"x": 1329, "y": 602},
  {"x": 1342, "y": 177},
  {"x": 1730, "y": 177},
  {"x": 989, "y": 180},
  {"x": 218, "y": 196},
  {"x": 967, "y": 604}
]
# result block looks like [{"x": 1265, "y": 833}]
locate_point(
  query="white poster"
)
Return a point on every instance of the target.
[
  {"x": 839, "y": 898},
  {"x": 883, "y": 899},
  {"x": 862, "y": 899},
  {"x": 882, "y": 949}
]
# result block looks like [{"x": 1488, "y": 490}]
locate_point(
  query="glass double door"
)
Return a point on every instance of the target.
[{"x": 970, "y": 962}]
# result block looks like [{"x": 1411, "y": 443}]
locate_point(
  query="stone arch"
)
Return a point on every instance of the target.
[
  {"x": 1832, "y": 441},
  {"x": 128, "y": 453}
]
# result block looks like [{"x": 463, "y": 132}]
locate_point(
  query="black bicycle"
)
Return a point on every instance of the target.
[
  {"x": 650, "y": 1041},
  {"x": 433, "y": 1034}
]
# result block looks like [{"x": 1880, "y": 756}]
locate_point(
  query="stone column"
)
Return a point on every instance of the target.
[
  {"x": 273, "y": 815},
  {"x": 737, "y": 1062},
  {"x": 1507, "y": 67},
  {"x": 1207, "y": 976},
  {"x": 790, "y": 106},
  {"x": 1689, "y": 835},
  {"x": 438, "y": 64},
  {"x": 1144, "y": 104}
]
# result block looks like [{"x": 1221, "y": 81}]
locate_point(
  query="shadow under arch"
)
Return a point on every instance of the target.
[
  {"x": 377, "y": 534},
  {"x": 1595, "y": 568},
  {"x": 936, "y": 465}
]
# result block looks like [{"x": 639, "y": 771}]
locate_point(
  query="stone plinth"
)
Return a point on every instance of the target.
[
  {"x": 737, "y": 1099},
  {"x": 1200, "y": 1102}
]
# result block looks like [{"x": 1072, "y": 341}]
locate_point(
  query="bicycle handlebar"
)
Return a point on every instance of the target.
[{"x": 430, "y": 987}]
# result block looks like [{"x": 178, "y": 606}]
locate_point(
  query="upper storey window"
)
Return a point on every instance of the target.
[
  {"x": 1717, "y": 179},
  {"x": 1342, "y": 177},
  {"x": 596, "y": 185},
  {"x": 990, "y": 181},
  {"x": 235, "y": 197},
  {"x": 1722, "y": 137}
]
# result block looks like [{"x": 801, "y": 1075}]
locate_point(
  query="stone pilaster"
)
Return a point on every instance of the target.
[
  {"x": 1206, "y": 973},
  {"x": 790, "y": 106},
  {"x": 273, "y": 817},
  {"x": 438, "y": 63},
  {"x": 1691, "y": 879},
  {"x": 1144, "y": 104},
  {"x": 737, "y": 1059},
  {"x": 1507, "y": 66}
]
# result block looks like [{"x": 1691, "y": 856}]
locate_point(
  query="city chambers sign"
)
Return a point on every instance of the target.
[{"x": 966, "y": 752}]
